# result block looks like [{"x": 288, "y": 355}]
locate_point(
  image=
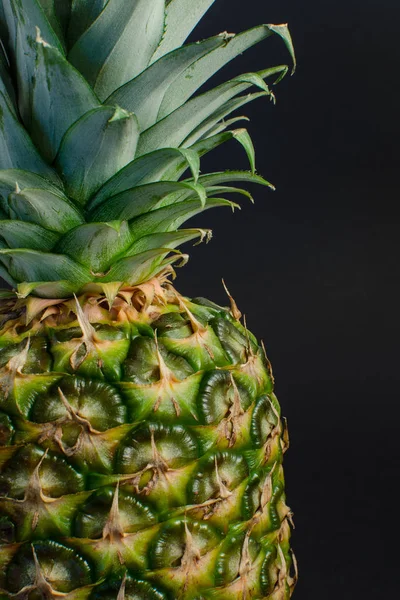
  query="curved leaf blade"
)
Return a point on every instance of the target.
[
  {"x": 223, "y": 177},
  {"x": 12, "y": 179},
  {"x": 179, "y": 125},
  {"x": 172, "y": 217},
  {"x": 22, "y": 20},
  {"x": 212, "y": 182},
  {"x": 60, "y": 97},
  {"x": 225, "y": 110},
  {"x": 95, "y": 148},
  {"x": 82, "y": 15},
  {"x": 44, "y": 208},
  {"x": 189, "y": 82},
  {"x": 16, "y": 148},
  {"x": 204, "y": 146},
  {"x": 177, "y": 27},
  {"x": 119, "y": 44},
  {"x": 20, "y": 234},
  {"x": 48, "y": 289},
  {"x": 52, "y": 12},
  {"x": 148, "y": 169},
  {"x": 32, "y": 265},
  {"x": 142, "y": 199},
  {"x": 171, "y": 239},
  {"x": 136, "y": 269},
  {"x": 96, "y": 245},
  {"x": 6, "y": 84},
  {"x": 144, "y": 94}
]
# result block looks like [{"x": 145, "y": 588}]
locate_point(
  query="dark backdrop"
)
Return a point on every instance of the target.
[{"x": 314, "y": 267}]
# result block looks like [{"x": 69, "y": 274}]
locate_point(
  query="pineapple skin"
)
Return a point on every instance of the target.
[{"x": 140, "y": 454}]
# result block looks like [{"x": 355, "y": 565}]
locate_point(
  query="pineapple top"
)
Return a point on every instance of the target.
[{"x": 99, "y": 122}]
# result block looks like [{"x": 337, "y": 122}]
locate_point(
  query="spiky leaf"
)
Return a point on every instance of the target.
[
  {"x": 147, "y": 169},
  {"x": 82, "y": 15},
  {"x": 105, "y": 54},
  {"x": 191, "y": 80},
  {"x": 60, "y": 97},
  {"x": 95, "y": 148},
  {"x": 178, "y": 28},
  {"x": 16, "y": 148},
  {"x": 31, "y": 265},
  {"x": 52, "y": 211},
  {"x": 21, "y": 234},
  {"x": 178, "y": 126},
  {"x": 23, "y": 21},
  {"x": 96, "y": 245},
  {"x": 144, "y": 94},
  {"x": 172, "y": 217},
  {"x": 142, "y": 199}
]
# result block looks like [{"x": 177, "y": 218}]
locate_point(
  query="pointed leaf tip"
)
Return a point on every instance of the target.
[
  {"x": 120, "y": 113},
  {"x": 283, "y": 31}
]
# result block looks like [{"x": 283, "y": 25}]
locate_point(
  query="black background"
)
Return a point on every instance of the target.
[{"x": 314, "y": 266}]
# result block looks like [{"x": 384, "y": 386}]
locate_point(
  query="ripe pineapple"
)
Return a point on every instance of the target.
[{"x": 141, "y": 442}]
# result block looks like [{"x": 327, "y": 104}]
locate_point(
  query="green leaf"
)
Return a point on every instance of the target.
[
  {"x": 12, "y": 179},
  {"x": 181, "y": 17},
  {"x": 283, "y": 32},
  {"x": 83, "y": 14},
  {"x": 31, "y": 265},
  {"x": 62, "y": 10},
  {"x": 243, "y": 137},
  {"x": 48, "y": 289},
  {"x": 217, "y": 190},
  {"x": 60, "y": 97},
  {"x": 16, "y": 148},
  {"x": 119, "y": 44},
  {"x": 142, "y": 199},
  {"x": 213, "y": 181},
  {"x": 52, "y": 211},
  {"x": 224, "y": 177},
  {"x": 224, "y": 125},
  {"x": 6, "y": 84},
  {"x": 192, "y": 79},
  {"x": 171, "y": 239},
  {"x": 144, "y": 94},
  {"x": 22, "y": 20},
  {"x": 135, "y": 269},
  {"x": 225, "y": 110},
  {"x": 4, "y": 274},
  {"x": 147, "y": 169},
  {"x": 18, "y": 234},
  {"x": 172, "y": 217},
  {"x": 178, "y": 126},
  {"x": 51, "y": 10},
  {"x": 205, "y": 146},
  {"x": 95, "y": 148},
  {"x": 96, "y": 245}
]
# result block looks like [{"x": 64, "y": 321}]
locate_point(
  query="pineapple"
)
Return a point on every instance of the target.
[{"x": 141, "y": 442}]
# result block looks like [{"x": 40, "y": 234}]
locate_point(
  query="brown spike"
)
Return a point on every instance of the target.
[
  {"x": 235, "y": 312},
  {"x": 190, "y": 557},
  {"x": 113, "y": 529},
  {"x": 41, "y": 584},
  {"x": 224, "y": 492}
]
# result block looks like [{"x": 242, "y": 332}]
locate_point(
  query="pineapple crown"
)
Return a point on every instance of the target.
[{"x": 99, "y": 122}]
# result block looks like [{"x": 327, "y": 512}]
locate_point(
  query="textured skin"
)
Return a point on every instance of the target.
[{"x": 142, "y": 460}]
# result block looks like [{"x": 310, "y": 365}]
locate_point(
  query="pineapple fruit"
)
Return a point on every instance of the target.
[{"x": 141, "y": 442}]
